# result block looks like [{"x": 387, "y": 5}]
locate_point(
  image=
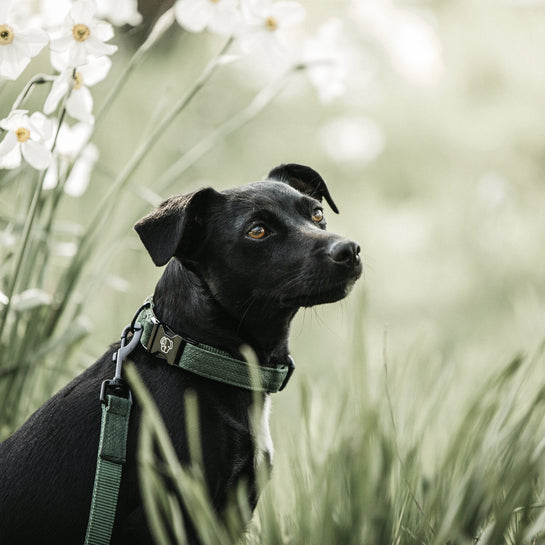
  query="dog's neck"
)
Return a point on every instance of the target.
[{"x": 183, "y": 301}]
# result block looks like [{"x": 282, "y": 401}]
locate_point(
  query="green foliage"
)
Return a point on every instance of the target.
[{"x": 352, "y": 476}]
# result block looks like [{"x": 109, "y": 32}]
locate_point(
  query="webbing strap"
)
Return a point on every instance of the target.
[
  {"x": 201, "y": 360},
  {"x": 205, "y": 360},
  {"x": 111, "y": 458}
]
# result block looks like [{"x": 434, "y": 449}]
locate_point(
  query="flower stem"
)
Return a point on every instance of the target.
[
  {"x": 164, "y": 22},
  {"x": 110, "y": 198},
  {"x": 241, "y": 118},
  {"x": 23, "y": 249},
  {"x": 29, "y": 87},
  {"x": 34, "y": 206}
]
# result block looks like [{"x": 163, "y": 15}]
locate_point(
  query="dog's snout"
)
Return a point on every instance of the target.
[{"x": 345, "y": 252}]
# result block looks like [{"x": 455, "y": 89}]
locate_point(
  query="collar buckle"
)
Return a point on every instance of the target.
[{"x": 165, "y": 344}]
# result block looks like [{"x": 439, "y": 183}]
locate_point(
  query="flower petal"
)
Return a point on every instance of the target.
[
  {"x": 193, "y": 15},
  {"x": 80, "y": 105},
  {"x": 62, "y": 43},
  {"x": 226, "y": 18},
  {"x": 97, "y": 48},
  {"x": 255, "y": 11},
  {"x": 77, "y": 54},
  {"x": 5, "y": 7},
  {"x": 58, "y": 90},
  {"x": 59, "y": 60},
  {"x": 16, "y": 119},
  {"x": 72, "y": 139},
  {"x": 36, "y": 154},
  {"x": 52, "y": 175},
  {"x": 9, "y": 142},
  {"x": 79, "y": 177},
  {"x": 11, "y": 68},
  {"x": 39, "y": 123},
  {"x": 288, "y": 13},
  {"x": 95, "y": 70},
  {"x": 103, "y": 31},
  {"x": 83, "y": 11},
  {"x": 121, "y": 13},
  {"x": 31, "y": 41},
  {"x": 12, "y": 159}
]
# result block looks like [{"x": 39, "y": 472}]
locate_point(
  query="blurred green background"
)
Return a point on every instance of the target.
[{"x": 435, "y": 155}]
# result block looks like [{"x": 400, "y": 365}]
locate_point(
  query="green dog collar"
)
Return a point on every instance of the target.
[{"x": 204, "y": 360}]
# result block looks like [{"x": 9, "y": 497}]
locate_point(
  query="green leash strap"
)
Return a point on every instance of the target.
[
  {"x": 204, "y": 360},
  {"x": 111, "y": 458}
]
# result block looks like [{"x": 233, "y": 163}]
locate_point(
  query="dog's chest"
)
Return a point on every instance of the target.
[{"x": 264, "y": 449}]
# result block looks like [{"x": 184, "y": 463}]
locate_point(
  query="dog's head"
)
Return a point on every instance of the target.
[{"x": 264, "y": 242}]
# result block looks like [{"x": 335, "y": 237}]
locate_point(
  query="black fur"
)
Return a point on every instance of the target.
[{"x": 221, "y": 287}]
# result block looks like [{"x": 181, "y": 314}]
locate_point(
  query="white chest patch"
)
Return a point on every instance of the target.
[{"x": 264, "y": 448}]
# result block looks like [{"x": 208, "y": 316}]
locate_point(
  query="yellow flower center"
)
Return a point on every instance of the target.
[
  {"x": 215, "y": 1},
  {"x": 80, "y": 32},
  {"x": 6, "y": 35},
  {"x": 23, "y": 134},
  {"x": 271, "y": 23},
  {"x": 78, "y": 81}
]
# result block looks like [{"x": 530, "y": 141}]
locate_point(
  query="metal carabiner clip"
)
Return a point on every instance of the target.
[{"x": 117, "y": 385}]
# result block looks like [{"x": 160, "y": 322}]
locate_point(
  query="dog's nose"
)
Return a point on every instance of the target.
[{"x": 345, "y": 252}]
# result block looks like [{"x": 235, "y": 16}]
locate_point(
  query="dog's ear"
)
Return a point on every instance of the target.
[
  {"x": 170, "y": 228},
  {"x": 304, "y": 179}
]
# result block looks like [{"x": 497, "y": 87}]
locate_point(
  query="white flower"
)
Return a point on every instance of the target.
[
  {"x": 120, "y": 12},
  {"x": 218, "y": 16},
  {"x": 267, "y": 22},
  {"x": 80, "y": 102},
  {"x": 74, "y": 157},
  {"x": 17, "y": 46},
  {"x": 26, "y": 136},
  {"x": 83, "y": 35}
]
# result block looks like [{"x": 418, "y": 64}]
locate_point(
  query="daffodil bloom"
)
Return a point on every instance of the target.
[
  {"x": 266, "y": 24},
  {"x": 17, "y": 46},
  {"x": 83, "y": 35},
  {"x": 27, "y": 137},
  {"x": 74, "y": 157},
  {"x": 79, "y": 104},
  {"x": 218, "y": 16}
]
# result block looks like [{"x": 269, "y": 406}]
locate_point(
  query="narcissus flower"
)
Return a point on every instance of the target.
[
  {"x": 79, "y": 104},
  {"x": 266, "y": 24},
  {"x": 17, "y": 46},
  {"x": 83, "y": 35},
  {"x": 26, "y": 136},
  {"x": 218, "y": 16}
]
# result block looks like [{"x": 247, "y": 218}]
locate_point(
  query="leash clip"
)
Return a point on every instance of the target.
[
  {"x": 291, "y": 369},
  {"x": 117, "y": 385}
]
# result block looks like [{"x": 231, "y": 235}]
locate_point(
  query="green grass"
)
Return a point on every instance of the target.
[{"x": 352, "y": 472}]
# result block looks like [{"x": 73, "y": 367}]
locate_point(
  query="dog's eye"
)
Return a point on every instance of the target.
[
  {"x": 317, "y": 215},
  {"x": 257, "y": 232}
]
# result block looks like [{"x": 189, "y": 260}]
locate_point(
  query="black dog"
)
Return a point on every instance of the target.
[{"x": 241, "y": 263}]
